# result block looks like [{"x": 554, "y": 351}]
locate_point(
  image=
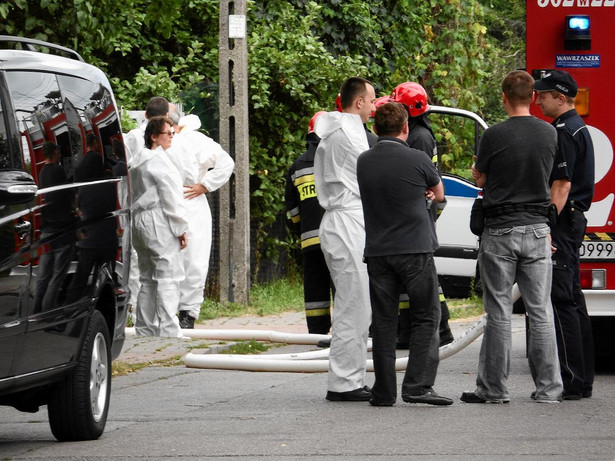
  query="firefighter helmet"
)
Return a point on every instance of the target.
[
  {"x": 313, "y": 120},
  {"x": 413, "y": 96},
  {"x": 381, "y": 101}
]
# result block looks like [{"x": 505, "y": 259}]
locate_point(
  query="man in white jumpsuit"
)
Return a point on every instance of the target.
[
  {"x": 204, "y": 167},
  {"x": 159, "y": 233},
  {"x": 134, "y": 143},
  {"x": 342, "y": 236}
]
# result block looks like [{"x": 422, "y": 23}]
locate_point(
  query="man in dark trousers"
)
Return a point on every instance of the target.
[
  {"x": 400, "y": 240},
  {"x": 572, "y": 190},
  {"x": 306, "y": 213}
]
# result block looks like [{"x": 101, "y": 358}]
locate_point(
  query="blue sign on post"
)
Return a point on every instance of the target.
[{"x": 577, "y": 60}]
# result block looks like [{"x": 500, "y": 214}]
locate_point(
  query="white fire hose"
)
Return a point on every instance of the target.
[{"x": 303, "y": 362}]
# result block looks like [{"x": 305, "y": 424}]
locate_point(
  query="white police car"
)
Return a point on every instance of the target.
[{"x": 456, "y": 259}]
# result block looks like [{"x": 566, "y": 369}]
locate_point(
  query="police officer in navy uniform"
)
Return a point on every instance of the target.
[
  {"x": 572, "y": 189},
  {"x": 306, "y": 213}
]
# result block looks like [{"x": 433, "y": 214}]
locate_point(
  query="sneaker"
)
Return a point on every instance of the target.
[
  {"x": 186, "y": 322},
  {"x": 472, "y": 397}
]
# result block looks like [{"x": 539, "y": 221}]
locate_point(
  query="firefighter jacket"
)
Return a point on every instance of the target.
[{"x": 301, "y": 202}]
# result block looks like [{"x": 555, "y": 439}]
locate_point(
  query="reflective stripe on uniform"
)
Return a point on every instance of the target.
[
  {"x": 317, "y": 308},
  {"x": 303, "y": 180},
  {"x": 310, "y": 242},
  {"x": 294, "y": 215},
  {"x": 404, "y": 302},
  {"x": 309, "y": 238}
]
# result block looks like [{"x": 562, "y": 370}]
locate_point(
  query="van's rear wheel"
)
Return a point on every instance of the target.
[{"x": 79, "y": 404}]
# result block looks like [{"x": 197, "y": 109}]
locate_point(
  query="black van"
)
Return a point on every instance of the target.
[{"x": 64, "y": 236}]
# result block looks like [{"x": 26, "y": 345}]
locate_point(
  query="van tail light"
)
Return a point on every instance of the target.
[{"x": 593, "y": 279}]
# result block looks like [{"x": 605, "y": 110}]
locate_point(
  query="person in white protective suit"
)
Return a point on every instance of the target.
[
  {"x": 134, "y": 143},
  {"x": 159, "y": 231},
  {"x": 342, "y": 236},
  {"x": 204, "y": 167}
]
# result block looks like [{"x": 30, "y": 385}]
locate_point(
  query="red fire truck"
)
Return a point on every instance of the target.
[{"x": 576, "y": 36}]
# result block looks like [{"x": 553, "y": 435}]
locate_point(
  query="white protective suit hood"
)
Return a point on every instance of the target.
[
  {"x": 190, "y": 122},
  {"x": 342, "y": 140}
]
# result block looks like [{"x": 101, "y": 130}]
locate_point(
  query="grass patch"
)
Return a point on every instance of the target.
[
  {"x": 464, "y": 308},
  {"x": 119, "y": 368},
  {"x": 247, "y": 347},
  {"x": 265, "y": 299},
  {"x": 287, "y": 295}
]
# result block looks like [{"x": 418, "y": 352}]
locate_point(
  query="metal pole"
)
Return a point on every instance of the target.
[{"x": 235, "y": 196}]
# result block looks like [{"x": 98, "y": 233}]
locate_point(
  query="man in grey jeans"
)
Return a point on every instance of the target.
[{"x": 514, "y": 160}]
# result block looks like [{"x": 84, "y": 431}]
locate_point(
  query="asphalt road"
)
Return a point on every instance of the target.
[{"x": 162, "y": 413}]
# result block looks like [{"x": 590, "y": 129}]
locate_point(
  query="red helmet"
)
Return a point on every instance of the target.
[
  {"x": 413, "y": 96},
  {"x": 313, "y": 120},
  {"x": 381, "y": 101},
  {"x": 338, "y": 103}
]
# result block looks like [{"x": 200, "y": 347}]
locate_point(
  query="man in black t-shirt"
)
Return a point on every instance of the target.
[
  {"x": 513, "y": 163},
  {"x": 400, "y": 240}
]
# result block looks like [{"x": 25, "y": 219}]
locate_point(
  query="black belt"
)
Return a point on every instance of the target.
[{"x": 508, "y": 208}]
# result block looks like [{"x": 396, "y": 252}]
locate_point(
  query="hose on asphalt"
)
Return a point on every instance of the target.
[{"x": 303, "y": 362}]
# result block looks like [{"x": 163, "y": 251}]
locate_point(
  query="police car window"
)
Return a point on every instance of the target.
[
  {"x": 456, "y": 139},
  {"x": 40, "y": 117}
]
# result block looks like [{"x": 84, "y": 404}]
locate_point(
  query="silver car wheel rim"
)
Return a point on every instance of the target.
[{"x": 98, "y": 377}]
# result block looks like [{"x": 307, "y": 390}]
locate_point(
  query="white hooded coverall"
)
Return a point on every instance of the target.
[
  {"x": 199, "y": 160},
  {"x": 342, "y": 239},
  {"x": 158, "y": 221}
]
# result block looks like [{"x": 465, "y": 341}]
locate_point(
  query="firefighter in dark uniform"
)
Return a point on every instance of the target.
[
  {"x": 421, "y": 137},
  {"x": 305, "y": 213},
  {"x": 572, "y": 190}
]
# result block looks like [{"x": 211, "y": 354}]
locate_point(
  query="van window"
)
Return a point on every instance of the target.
[
  {"x": 5, "y": 156},
  {"x": 38, "y": 111},
  {"x": 90, "y": 109}
]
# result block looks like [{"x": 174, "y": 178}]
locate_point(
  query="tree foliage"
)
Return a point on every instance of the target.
[{"x": 300, "y": 51}]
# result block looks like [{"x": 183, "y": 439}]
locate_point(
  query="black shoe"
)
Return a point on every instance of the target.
[
  {"x": 324, "y": 343},
  {"x": 471, "y": 397},
  {"x": 363, "y": 394},
  {"x": 446, "y": 336},
  {"x": 185, "y": 321},
  {"x": 378, "y": 403},
  {"x": 587, "y": 393},
  {"x": 567, "y": 395},
  {"x": 429, "y": 397}
]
